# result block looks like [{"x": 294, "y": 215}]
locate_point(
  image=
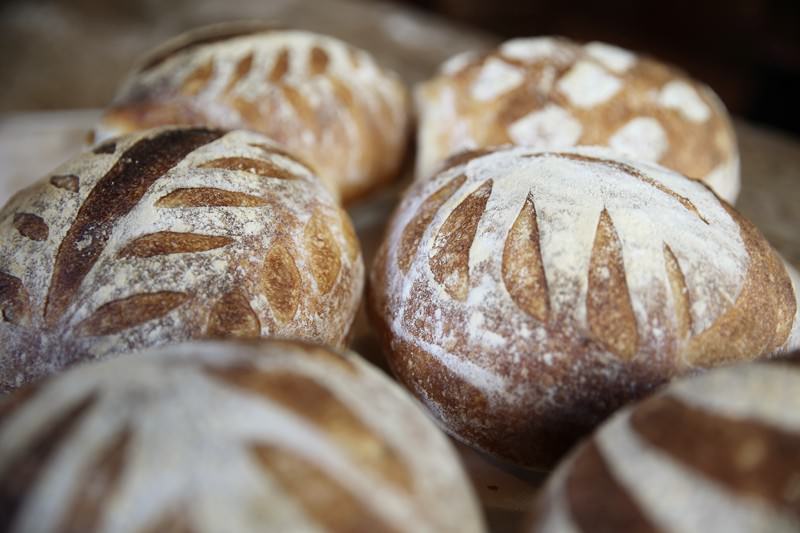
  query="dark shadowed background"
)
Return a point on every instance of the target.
[
  {"x": 747, "y": 50},
  {"x": 71, "y": 53}
]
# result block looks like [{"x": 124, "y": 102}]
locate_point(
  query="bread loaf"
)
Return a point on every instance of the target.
[
  {"x": 329, "y": 103},
  {"x": 523, "y": 296},
  {"x": 551, "y": 93},
  {"x": 169, "y": 235},
  {"x": 714, "y": 453},
  {"x": 233, "y": 437}
]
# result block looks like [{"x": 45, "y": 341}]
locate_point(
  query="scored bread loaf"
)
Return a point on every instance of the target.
[
  {"x": 715, "y": 453},
  {"x": 551, "y": 93},
  {"x": 328, "y": 102},
  {"x": 168, "y": 235},
  {"x": 523, "y": 295},
  {"x": 233, "y": 437}
]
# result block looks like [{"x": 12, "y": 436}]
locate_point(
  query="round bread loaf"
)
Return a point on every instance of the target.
[
  {"x": 168, "y": 235},
  {"x": 326, "y": 101},
  {"x": 524, "y": 295},
  {"x": 715, "y": 453},
  {"x": 233, "y": 437},
  {"x": 550, "y": 93}
]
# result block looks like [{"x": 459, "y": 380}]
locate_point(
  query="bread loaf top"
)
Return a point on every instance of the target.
[
  {"x": 169, "y": 235},
  {"x": 714, "y": 453},
  {"x": 232, "y": 437},
  {"x": 551, "y": 93},
  {"x": 559, "y": 285},
  {"x": 329, "y": 103}
]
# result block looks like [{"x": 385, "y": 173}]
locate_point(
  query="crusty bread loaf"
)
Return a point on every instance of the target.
[
  {"x": 550, "y": 93},
  {"x": 168, "y": 235},
  {"x": 715, "y": 453},
  {"x": 329, "y": 103},
  {"x": 227, "y": 437},
  {"x": 524, "y": 295}
]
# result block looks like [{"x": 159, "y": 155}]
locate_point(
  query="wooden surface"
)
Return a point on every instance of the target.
[{"x": 33, "y": 143}]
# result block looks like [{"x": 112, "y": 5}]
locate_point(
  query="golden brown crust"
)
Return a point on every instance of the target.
[
  {"x": 413, "y": 231},
  {"x": 523, "y": 296},
  {"x": 324, "y": 252},
  {"x": 69, "y": 182},
  {"x": 552, "y": 93},
  {"x": 113, "y": 196},
  {"x": 280, "y": 280},
  {"x": 172, "y": 242},
  {"x": 751, "y": 445},
  {"x": 21, "y": 475},
  {"x": 318, "y": 406},
  {"x": 31, "y": 226},
  {"x": 15, "y": 300},
  {"x": 348, "y": 118},
  {"x": 754, "y": 324},
  {"x": 615, "y": 511},
  {"x": 253, "y": 166},
  {"x": 680, "y": 294},
  {"x": 102, "y": 476},
  {"x": 232, "y": 316},
  {"x": 227, "y": 436},
  {"x": 125, "y": 313},
  {"x": 329, "y": 504},
  {"x": 523, "y": 273},
  {"x": 718, "y": 451},
  {"x": 609, "y": 311},
  {"x": 449, "y": 257},
  {"x": 169, "y": 235},
  {"x": 208, "y": 197}
]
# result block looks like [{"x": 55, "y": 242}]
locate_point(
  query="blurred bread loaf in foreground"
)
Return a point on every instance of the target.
[
  {"x": 167, "y": 235},
  {"x": 551, "y": 93},
  {"x": 233, "y": 437},
  {"x": 714, "y": 453},
  {"x": 328, "y": 102},
  {"x": 523, "y": 296}
]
